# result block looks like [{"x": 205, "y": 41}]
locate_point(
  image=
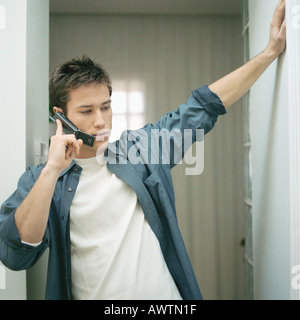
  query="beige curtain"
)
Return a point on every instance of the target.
[{"x": 168, "y": 56}]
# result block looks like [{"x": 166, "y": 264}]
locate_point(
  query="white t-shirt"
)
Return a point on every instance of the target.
[{"x": 114, "y": 252}]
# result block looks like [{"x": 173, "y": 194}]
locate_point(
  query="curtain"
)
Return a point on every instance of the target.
[{"x": 167, "y": 57}]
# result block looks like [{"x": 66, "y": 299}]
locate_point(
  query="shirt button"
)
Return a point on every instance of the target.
[{"x": 69, "y": 189}]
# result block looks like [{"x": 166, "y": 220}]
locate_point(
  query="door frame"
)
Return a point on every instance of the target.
[{"x": 293, "y": 53}]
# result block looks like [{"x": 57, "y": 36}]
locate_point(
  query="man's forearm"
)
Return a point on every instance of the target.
[
  {"x": 31, "y": 216},
  {"x": 234, "y": 85}
]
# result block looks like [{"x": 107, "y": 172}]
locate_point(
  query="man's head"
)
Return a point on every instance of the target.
[
  {"x": 73, "y": 74},
  {"x": 81, "y": 89}
]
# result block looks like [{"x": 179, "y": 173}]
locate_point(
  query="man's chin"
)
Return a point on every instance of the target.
[{"x": 100, "y": 146}]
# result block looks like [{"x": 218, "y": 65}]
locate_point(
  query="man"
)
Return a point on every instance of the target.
[{"x": 111, "y": 228}]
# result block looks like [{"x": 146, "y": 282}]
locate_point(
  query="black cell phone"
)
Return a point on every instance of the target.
[{"x": 70, "y": 128}]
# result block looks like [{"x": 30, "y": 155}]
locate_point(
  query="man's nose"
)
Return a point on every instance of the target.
[{"x": 99, "y": 121}]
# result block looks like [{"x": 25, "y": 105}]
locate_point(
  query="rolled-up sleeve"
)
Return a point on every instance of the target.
[
  {"x": 15, "y": 254},
  {"x": 200, "y": 111},
  {"x": 210, "y": 101},
  {"x": 179, "y": 129}
]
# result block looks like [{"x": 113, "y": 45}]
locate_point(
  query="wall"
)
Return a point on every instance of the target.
[
  {"x": 12, "y": 133},
  {"x": 23, "y": 100},
  {"x": 293, "y": 44},
  {"x": 37, "y": 106},
  {"x": 270, "y": 164}
]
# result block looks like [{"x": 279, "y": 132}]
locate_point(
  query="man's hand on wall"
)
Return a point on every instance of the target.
[{"x": 277, "y": 39}]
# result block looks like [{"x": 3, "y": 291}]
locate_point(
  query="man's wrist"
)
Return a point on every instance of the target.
[
  {"x": 51, "y": 169},
  {"x": 270, "y": 54}
]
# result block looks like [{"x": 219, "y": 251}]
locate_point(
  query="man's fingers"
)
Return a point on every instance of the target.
[
  {"x": 70, "y": 139},
  {"x": 59, "y": 128},
  {"x": 78, "y": 146},
  {"x": 283, "y": 29},
  {"x": 73, "y": 146},
  {"x": 280, "y": 4},
  {"x": 278, "y": 13},
  {"x": 69, "y": 151}
]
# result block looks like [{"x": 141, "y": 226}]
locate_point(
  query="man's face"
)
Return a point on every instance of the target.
[{"x": 89, "y": 108}]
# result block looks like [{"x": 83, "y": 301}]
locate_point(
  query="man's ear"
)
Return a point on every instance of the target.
[{"x": 56, "y": 109}]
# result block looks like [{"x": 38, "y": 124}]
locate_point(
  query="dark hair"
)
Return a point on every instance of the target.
[{"x": 73, "y": 74}]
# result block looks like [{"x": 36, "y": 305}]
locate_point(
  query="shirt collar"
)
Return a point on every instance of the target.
[{"x": 69, "y": 168}]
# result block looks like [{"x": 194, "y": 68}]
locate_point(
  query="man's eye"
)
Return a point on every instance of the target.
[{"x": 87, "y": 111}]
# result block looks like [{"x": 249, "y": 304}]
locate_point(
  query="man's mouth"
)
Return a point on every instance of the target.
[{"x": 102, "y": 135}]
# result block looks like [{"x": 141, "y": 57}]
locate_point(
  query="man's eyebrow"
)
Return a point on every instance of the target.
[
  {"x": 92, "y": 105},
  {"x": 84, "y": 106},
  {"x": 106, "y": 102}
]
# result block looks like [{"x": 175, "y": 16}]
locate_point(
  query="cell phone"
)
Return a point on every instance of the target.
[{"x": 70, "y": 128}]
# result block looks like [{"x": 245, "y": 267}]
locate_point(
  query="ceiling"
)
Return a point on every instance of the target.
[{"x": 227, "y": 7}]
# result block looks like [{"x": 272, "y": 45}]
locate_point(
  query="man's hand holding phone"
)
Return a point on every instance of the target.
[
  {"x": 63, "y": 149},
  {"x": 31, "y": 216}
]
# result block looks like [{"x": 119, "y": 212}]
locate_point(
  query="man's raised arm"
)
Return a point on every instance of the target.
[{"x": 233, "y": 86}]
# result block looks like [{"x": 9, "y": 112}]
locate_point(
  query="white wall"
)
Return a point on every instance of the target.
[
  {"x": 23, "y": 101},
  {"x": 37, "y": 106},
  {"x": 12, "y": 120},
  {"x": 37, "y": 64},
  {"x": 270, "y": 161},
  {"x": 293, "y": 45}
]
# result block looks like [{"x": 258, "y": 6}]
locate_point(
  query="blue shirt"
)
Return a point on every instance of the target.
[{"x": 152, "y": 183}]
